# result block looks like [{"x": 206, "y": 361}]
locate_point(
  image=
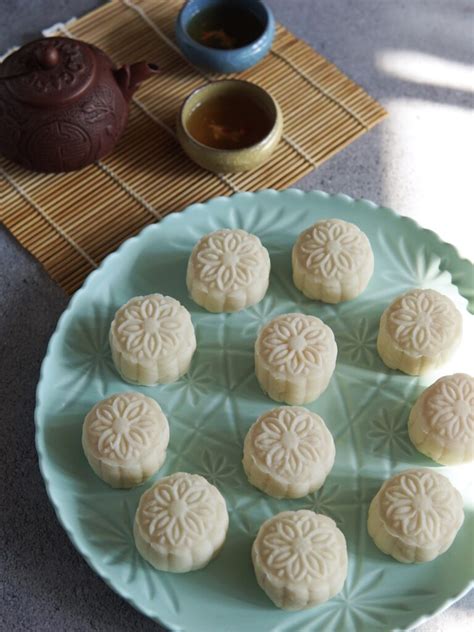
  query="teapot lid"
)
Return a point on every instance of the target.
[{"x": 50, "y": 71}]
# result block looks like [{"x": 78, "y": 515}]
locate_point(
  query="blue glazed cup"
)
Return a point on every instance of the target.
[{"x": 225, "y": 61}]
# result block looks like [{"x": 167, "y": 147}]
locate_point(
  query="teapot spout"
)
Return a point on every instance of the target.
[{"x": 130, "y": 76}]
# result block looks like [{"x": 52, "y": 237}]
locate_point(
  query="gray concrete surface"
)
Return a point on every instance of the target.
[{"x": 44, "y": 584}]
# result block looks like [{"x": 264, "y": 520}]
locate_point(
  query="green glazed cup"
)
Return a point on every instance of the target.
[{"x": 230, "y": 160}]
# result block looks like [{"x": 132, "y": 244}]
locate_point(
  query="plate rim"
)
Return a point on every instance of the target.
[{"x": 174, "y": 216}]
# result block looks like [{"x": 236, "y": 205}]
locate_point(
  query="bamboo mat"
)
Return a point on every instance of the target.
[{"x": 70, "y": 222}]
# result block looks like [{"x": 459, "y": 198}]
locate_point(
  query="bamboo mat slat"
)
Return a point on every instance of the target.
[{"x": 70, "y": 222}]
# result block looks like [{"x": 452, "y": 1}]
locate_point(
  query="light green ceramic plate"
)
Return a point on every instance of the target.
[{"x": 366, "y": 407}]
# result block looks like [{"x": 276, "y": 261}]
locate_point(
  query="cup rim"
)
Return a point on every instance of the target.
[
  {"x": 208, "y": 148},
  {"x": 270, "y": 24}
]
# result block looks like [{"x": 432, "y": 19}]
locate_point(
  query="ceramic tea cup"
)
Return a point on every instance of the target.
[
  {"x": 228, "y": 160},
  {"x": 232, "y": 56}
]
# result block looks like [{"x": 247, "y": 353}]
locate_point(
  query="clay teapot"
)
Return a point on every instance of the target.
[{"x": 63, "y": 104}]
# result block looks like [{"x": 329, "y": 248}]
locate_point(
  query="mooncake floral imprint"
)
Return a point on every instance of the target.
[
  {"x": 228, "y": 270},
  {"x": 288, "y": 452},
  {"x": 332, "y": 261},
  {"x": 300, "y": 559},
  {"x": 419, "y": 331},
  {"x": 152, "y": 340},
  {"x": 441, "y": 423},
  {"x": 181, "y": 523},
  {"x": 415, "y": 516},
  {"x": 295, "y": 356},
  {"x": 124, "y": 438}
]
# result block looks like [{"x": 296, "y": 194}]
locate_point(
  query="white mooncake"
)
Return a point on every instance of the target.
[
  {"x": 124, "y": 438},
  {"x": 228, "y": 270},
  {"x": 419, "y": 332},
  {"x": 415, "y": 516},
  {"x": 288, "y": 452},
  {"x": 441, "y": 423},
  {"x": 152, "y": 340},
  {"x": 332, "y": 261},
  {"x": 181, "y": 523},
  {"x": 300, "y": 559},
  {"x": 295, "y": 357}
]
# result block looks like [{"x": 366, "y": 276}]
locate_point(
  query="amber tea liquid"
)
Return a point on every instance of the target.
[
  {"x": 225, "y": 27},
  {"x": 229, "y": 122}
]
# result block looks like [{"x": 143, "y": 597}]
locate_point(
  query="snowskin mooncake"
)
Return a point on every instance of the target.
[
  {"x": 288, "y": 452},
  {"x": 415, "y": 516},
  {"x": 419, "y": 332},
  {"x": 228, "y": 270},
  {"x": 441, "y": 423},
  {"x": 300, "y": 559},
  {"x": 124, "y": 438},
  {"x": 152, "y": 340},
  {"x": 332, "y": 261},
  {"x": 181, "y": 523},
  {"x": 295, "y": 357}
]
